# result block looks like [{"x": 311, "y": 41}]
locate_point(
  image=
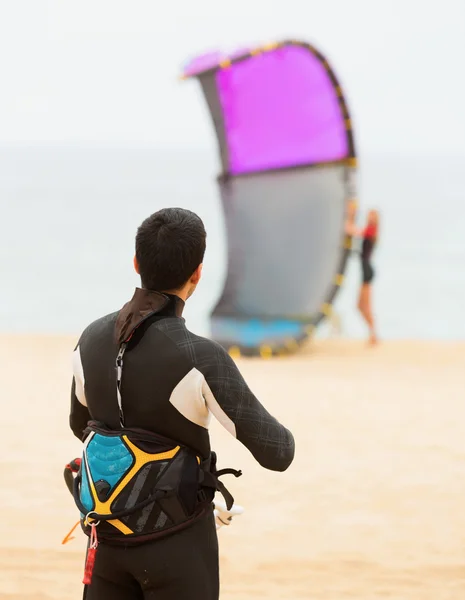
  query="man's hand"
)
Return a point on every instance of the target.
[{"x": 223, "y": 516}]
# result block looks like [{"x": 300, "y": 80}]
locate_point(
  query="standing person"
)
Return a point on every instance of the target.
[
  {"x": 369, "y": 237},
  {"x": 143, "y": 392},
  {"x": 369, "y": 240}
]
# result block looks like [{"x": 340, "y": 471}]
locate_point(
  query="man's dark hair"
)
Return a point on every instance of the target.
[{"x": 170, "y": 245}]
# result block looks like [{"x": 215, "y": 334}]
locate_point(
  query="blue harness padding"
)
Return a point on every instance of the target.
[{"x": 107, "y": 458}]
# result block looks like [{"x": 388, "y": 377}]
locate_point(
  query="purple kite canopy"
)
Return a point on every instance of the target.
[
  {"x": 202, "y": 63},
  {"x": 210, "y": 60},
  {"x": 280, "y": 108}
]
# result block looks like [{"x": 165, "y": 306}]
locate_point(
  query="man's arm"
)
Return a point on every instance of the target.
[
  {"x": 79, "y": 414},
  {"x": 234, "y": 405}
]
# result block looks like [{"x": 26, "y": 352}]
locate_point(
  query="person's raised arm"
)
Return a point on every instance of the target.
[
  {"x": 234, "y": 405},
  {"x": 351, "y": 229}
]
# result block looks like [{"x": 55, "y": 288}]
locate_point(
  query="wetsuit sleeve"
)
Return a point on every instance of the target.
[
  {"x": 231, "y": 401},
  {"x": 79, "y": 414}
]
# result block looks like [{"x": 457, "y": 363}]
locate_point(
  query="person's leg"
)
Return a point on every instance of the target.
[
  {"x": 110, "y": 579},
  {"x": 360, "y": 301},
  {"x": 365, "y": 309},
  {"x": 182, "y": 566}
]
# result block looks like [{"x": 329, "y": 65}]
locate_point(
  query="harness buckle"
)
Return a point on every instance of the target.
[{"x": 87, "y": 517}]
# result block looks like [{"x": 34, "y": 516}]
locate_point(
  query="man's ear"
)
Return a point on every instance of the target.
[
  {"x": 196, "y": 275},
  {"x": 136, "y": 265}
]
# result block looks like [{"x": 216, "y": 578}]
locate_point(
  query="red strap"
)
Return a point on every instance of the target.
[
  {"x": 90, "y": 558},
  {"x": 89, "y": 568}
]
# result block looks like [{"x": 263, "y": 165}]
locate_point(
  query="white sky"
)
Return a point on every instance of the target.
[{"x": 105, "y": 71}]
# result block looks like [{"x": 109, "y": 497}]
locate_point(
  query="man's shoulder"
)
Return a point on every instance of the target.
[
  {"x": 198, "y": 347},
  {"x": 100, "y": 326}
]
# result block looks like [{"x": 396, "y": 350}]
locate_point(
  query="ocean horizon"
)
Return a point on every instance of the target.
[{"x": 69, "y": 217}]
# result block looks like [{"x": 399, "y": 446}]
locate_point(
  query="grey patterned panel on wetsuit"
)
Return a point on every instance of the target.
[{"x": 285, "y": 230}]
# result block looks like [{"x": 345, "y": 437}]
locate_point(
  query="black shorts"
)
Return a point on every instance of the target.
[
  {"x": 182, "y": 566},
  {"x": 367, "y": 272}
]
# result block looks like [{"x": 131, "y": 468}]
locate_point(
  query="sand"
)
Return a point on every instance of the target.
[{"x": 372, "y": 507}]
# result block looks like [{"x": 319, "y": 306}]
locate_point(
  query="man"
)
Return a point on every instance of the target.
[{"x": 172, "y": 382}]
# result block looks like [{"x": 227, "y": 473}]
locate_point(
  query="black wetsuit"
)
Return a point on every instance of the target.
[
  {"x": 173, "y": 382},
  {"x": 368, "y": 245}
]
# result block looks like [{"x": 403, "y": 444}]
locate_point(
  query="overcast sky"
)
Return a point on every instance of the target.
[{"x": 105, "y": 71}]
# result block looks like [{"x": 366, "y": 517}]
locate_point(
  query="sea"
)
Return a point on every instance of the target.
[{"x": 69, "y": 216}]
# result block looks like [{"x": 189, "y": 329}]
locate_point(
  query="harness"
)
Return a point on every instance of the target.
[{"x": 138, "y": 486}]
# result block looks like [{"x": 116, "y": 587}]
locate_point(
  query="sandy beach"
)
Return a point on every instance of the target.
[{"x": 371, "y": 508}]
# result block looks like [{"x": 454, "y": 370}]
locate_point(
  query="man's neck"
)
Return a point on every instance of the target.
[
  {"x": 182, "y": 293},
  {"x": 179, "y": 293}
]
